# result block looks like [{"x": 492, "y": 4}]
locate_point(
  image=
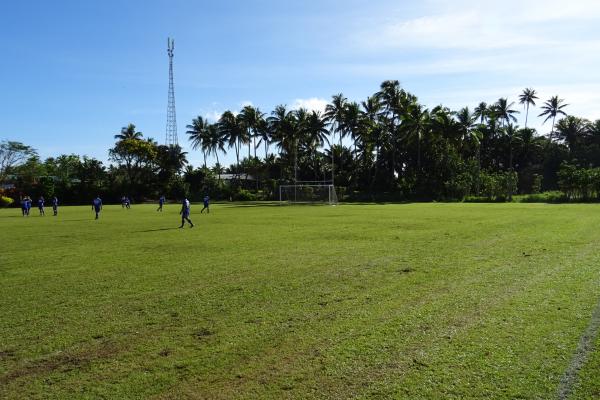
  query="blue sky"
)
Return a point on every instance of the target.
[{"x": 74, "y": 72}]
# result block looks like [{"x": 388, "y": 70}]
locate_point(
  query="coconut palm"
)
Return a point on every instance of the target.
[
  {"x": 334, "y": 114},
  {"x": 216, "y": 142},
  {"x": 128, "y": 132},
  {"x": 572, "y": 130},
  {"x": 197, "y": 135},
  {"x": 284, "y": 131},
  {"x": 527, "y": 98},
  {"x": 481, "y": 111},
  {"x": 233, "y": 132},
  {"x": 250, "y": 118},
  {"x": 552, "y": 108},
  {"x": 263, "y": 133},
  {"x": 504, "y": 111},
  {"x": 316, "y": 135},
  {"x": 416, "y": 123}
]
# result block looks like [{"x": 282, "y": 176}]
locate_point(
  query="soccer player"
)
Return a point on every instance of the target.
[
  {"x": 185, "y": 213},
  {"x": 122, "y": 201},
  {"x": 127, "y": 203},
  {"x": 28, "y": 202},
  {"x": 206, "y": 201},
  {"x": 97, "y": 205},
  {"x": 55, "y": 205},
  {"x": 161, "y": 202},
  {"x": 24, "y": 206},
  {"x": 41, "y": 205}
]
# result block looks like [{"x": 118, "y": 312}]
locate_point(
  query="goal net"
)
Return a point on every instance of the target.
[{"x": 306, "y": 193}]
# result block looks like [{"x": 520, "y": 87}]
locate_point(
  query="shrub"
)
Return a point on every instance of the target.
[{"x": 5, "y": 201}]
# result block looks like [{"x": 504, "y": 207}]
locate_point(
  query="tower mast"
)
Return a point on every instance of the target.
[{"x": 171, "y": 134}]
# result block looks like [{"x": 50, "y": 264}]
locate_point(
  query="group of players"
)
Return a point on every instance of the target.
[
  {"x": 185, "y": 207},
  {"x": 26, "y": 204}
]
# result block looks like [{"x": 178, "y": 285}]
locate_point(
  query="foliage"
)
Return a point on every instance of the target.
[
  {"x": 388, "y": 146},
  {"x": 5, "y": 201}
]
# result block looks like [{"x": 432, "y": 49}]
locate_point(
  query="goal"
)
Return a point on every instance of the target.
[{"x": 308, "y": 193}]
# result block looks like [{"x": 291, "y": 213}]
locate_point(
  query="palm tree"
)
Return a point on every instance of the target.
[
  {"x": 510, "y": 131},
  {"x": 198, "y": 136},
  {"x": 573, "y": 130},
  {"x": 504, "y": 112},
  {"x": 527, "y": 98},
  {"x": 351, "y": 120},
  {"x": 250, "y": 118},
  {"x": 263, "y": 133},
  {"x": 552, "y": 108},
  {"x": 481, "y": 111},
  {"x": 316, "y": 134},
  {"x": 334, "y": 114},
  {"x": 417, "y": 120},
  {"x": 128, "y": 132},
  {"x": 390, "y": 98},
  {"x": 284, "y": 129},
  {"x": 233, "y": 132},
  {"x": 216, "y": 142}
]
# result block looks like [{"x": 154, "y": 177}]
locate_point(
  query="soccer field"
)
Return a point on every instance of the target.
[{"x": 357, "y": 301}]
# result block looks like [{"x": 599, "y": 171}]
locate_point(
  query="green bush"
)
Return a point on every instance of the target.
[
  {"x": 546, "y": 197},
  {"x": 244, "y": 195},
  {"x": 5, "y": 201}
]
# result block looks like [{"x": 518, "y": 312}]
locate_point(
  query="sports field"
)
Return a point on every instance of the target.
[{"x": 356, "y": 301}]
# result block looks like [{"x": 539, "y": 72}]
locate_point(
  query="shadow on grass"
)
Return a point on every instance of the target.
[{"x": 158, "y": 230}]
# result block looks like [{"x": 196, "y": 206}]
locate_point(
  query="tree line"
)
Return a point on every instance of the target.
[{"x": 387, "y": 147}]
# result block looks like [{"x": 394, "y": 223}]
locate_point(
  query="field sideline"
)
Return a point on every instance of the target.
[{"x": 357, "y": 301}]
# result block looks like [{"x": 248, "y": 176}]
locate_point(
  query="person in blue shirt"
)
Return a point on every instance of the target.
[
  {"x": 28, "y": 202},
  {"x": 127, "y": 203},
  {"x": 97, "y": 205},
  {"x": 55, "y": 205},
  {"x": 161, "y": 202},
  {"x": 41, "y": 206},
  {"x": 24, "y": 206},
  {"x": 185, "y": 213},
  {"x": 206, "y": 201}
]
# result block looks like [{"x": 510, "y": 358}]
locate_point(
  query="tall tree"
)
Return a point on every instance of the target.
[
  {"x": 198, "y": 135},
  {"x": 481, "y": 112},
  {"x": 334, "y": 114},
  {"x": 504, "y": 112},
  {"x": 13, "y": 154},
  {"x": 128, "y": 132},
  {"x": 233, "y": 131},
  {"x": 527, "y": 98},
  {"x": 552, "y": 108}
]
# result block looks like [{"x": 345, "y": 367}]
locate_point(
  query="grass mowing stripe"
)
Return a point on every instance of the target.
[{"x": 584, "y": 348}]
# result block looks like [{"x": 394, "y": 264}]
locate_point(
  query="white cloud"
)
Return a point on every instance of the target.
[{"x": 311, "y": 104}]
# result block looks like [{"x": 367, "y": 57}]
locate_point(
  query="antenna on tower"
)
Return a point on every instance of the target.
[{"x": 171, "y": 134}]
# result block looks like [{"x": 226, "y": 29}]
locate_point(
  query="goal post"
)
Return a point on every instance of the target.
[{"x": 308, "y": 193}]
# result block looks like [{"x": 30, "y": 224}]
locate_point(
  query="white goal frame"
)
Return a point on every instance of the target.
[{"x": 331, "y": 194}]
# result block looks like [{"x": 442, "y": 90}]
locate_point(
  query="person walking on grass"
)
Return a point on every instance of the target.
[
  {"x": 55, "y": 205},
  {"x": 185, "y": 213},
  {"x": 97, "y": 205},
  {"x": 24, "y": 206},
  {"x": 206, "y": 201},
  {"x": 28, "y": 202},
  {"x": 41, "y": 206},
  {"x": 161, "y": 202}
]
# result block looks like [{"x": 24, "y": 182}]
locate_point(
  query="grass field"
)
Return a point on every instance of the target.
[{"x": 356, "y": 301}]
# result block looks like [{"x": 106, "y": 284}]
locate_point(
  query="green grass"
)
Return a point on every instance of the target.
[{"x": 356, "y": 301}]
